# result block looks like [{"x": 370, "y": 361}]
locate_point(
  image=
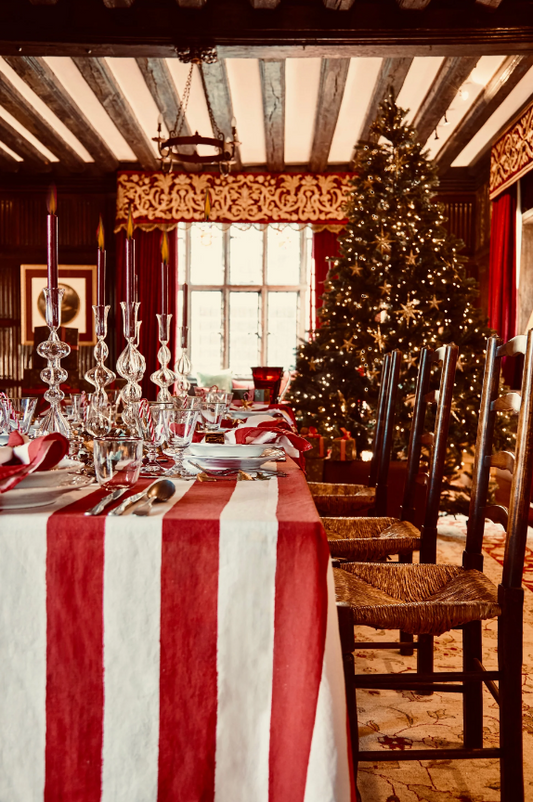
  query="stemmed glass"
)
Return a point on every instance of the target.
[
  {"x": 154, "y": 438},
  {"x": 100, "y": 417},
  {"x": 182, "y": 423}
]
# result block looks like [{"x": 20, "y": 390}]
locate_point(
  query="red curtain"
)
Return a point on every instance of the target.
[
  {"x": 502, "y": 265},
  {"x": 502, "y": 273},
  {"x": 148, "y": 270},
  {"x": 325, "y": 244}
]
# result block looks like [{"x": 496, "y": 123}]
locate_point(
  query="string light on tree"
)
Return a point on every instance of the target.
[{"x": 402, "y": 284}]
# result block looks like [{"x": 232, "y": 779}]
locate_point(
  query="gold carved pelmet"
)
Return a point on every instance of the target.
[
  {"x": 162, "y": 199},
  {"x": 512, "y": 155}
]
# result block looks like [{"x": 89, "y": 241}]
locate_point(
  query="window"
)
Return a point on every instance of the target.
[{"x": 247, "y": 294}]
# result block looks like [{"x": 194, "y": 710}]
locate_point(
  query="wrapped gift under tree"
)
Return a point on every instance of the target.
[
  {"x": 319, "y": 443},
  {"x": 343, "y": 448}
]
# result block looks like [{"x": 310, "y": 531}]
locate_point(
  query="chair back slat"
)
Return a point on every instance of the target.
[
  {"x": 385, "y": 412},
  {"x": 416, "y": 434},
  {"x": 515, "y": 544},
  {"x": 510, "y": 402},
  {"x": 504, "y": 460},
  {"x": 517, "y": 345},
  {"x": 498, "y": 514},
  {"x": 428, "y": 531},
  {"x": 380, "y": 419},
  {"x": 491, "y": 403},
  {"x": 385, "y": 445},
  {"x": 432, "y": 479}
]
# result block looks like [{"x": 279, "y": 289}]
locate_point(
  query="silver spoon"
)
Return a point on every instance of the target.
[{"x": 160, "y": 491}]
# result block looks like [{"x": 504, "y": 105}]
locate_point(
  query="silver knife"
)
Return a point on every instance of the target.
[
  {"x": 129, "y": 501},
  {"x": 98, "y": 508}
]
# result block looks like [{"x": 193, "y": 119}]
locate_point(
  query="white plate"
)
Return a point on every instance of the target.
[
  {"x": 44, "y": 479},
  {"x": 213, "y": 455},
  {"x": 24, "y": 498}
]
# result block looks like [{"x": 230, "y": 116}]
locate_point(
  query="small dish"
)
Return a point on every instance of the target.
[{"x": 213, "y": 455}]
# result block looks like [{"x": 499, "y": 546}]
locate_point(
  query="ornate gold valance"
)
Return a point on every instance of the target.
[
  {"x": 162, "y": 199},
  {"x": 512, "y": 155}
]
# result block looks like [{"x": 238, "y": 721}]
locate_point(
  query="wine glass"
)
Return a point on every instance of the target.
[
  {"x": 100, "y": 418},
  {"x": 117, "y": 461},
  {"x": 181, "y": 429},
  {"x": 156, "y": 432}
]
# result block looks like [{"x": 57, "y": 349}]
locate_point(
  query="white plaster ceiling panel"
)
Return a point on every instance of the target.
[
  {"x": 360, "y": 82},
  {"x": 466, "y": 95},
  {"x": 81, "y": 93},
  {"x": 245, "y": 87},
  {"x": 302, "y": 78},
  {"x": 11, "y": 153},
  {"x": 27, "y": 135},
  {"x": 421, "y": 75},
  {"x": 47, "y": 114},
  {"x": 130, "y": 79},
  {"x": 488, "y": 132}
]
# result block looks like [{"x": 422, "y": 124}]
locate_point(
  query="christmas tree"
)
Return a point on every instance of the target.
[{"x": 399, "y": 282}]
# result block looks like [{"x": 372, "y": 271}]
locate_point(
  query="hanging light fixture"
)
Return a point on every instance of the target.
[{"x": 177, "y": 148}]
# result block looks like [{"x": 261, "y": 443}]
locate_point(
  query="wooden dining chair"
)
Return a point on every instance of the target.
[
  {"x": 335, "y": 499},
  {"x": 364, "y": 539},
  {"x": 427, "y": 599}
]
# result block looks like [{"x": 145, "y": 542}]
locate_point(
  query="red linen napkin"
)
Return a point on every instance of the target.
[
  {"x": 44, "y": 453},
  {"x": 273, "y": 434}
]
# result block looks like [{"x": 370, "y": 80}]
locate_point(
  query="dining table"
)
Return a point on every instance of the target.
[{"x": 186, "y": 656}]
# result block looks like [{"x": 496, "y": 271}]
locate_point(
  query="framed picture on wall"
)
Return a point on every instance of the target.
[{"x": 79, "y": 282}]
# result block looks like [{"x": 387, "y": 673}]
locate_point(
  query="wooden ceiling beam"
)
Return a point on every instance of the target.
[
  {"x": 271, "y": 4},
  {"x": 491, "y": 5},
  {"x": 18, "y": 106},
  {"x": 489, "y": 99},
  {"x": 33, "y": 158},
  {"x": 118, "y": 3},
  {"x": 333, "y": 74},
  {"x": 36, "y": 73},
  {"x": 413, "y": 5},
  {"x": 102, "y": 82},
  {"x": 217, "y": 91},
  {"x": 161, "y": 86},
  {"x": 273, "y": 93},
  {"x": 451, "y": 75},
  {"x": 338, "y": 5},
  {"x": 294, "y": 29},
  {"x": 191, "y": 3},
  {"x": 392, "y": 75}
]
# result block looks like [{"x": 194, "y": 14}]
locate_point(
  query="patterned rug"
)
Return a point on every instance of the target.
[{"x": 400, "y": 720}]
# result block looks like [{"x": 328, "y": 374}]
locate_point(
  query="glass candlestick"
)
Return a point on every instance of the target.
[
  {"x": 100, "y": 375},
  {"x": 164, "y": 377},
  {"x": 131, "y": 366},
  {"x": 183, "y": 366},
  {"x": 53, "y": 350}
]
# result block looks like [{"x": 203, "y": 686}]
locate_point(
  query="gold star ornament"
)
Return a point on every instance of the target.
[
  {"x": 408, "y": 311},
  {"x": 385, "y": 288},
  {"x": 383, "y": 243},
  {"x": 348, "y": 344},
  {"x": 356, "y": 269},
  {"x": 379, "y": 339},
  {"x": 434, "y": 303},
  {"x": 312, "y": 364},
  {"x": 411, "y": 259}
]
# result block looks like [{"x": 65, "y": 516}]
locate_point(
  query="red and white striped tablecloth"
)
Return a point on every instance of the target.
[{"x": 186, "y": 657}]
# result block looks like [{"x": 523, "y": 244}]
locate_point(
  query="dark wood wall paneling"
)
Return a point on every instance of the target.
[{"x": 23, "y": 241}]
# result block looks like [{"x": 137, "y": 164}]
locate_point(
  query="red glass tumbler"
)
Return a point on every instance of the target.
[{"x": 268, "y": 379}]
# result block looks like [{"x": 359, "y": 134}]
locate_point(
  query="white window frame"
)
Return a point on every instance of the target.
[{"x": 302, "y": 290}]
